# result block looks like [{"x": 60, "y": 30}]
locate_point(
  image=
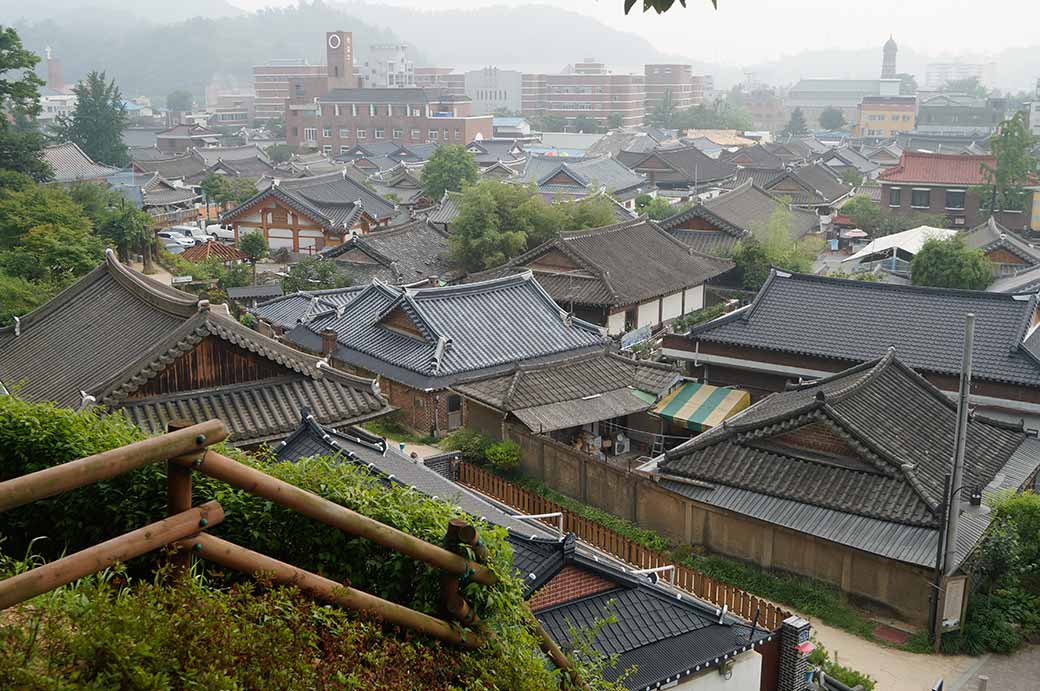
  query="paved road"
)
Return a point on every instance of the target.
[{"x": 1018, "y": 672}]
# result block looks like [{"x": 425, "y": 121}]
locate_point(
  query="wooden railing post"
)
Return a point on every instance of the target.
[{"x": 178, "y": 496}]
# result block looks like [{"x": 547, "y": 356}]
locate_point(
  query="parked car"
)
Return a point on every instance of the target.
[
  {"x": 169, "y": 236},
  {"x": 222, "y": 233},
  {"x": 194, "y": 232},
  {"x": 173, "y": 247}
]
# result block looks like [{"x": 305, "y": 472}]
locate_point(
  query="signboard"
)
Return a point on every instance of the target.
[
  {"x": 177, "y": 280},
  {"x": 634, "y": 337},
  {"x": 953, "y": 602}
]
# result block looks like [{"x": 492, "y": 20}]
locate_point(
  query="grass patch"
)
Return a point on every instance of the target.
[{"x": 391, "y": 427}]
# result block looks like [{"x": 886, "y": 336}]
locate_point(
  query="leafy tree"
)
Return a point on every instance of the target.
[
  {"x": 723, "y": 114},
  {"x": 585, "y": 124},
  {"x": 796, "y": 125},
  {"x": 594, "y": 212},
  {"x": 1012, "y": 146},
  {"x": 831, "y": 119},
  {"x": 98, "y": 121},
  {"x": 216, "y": 188},
  {"x": 864, "y": 213},
  {"x": 279, "y": 153},
  {"x": 950, "y": 264},
  {"x": 664, "y": 112},
  {"x": 752, "y": 263},
  {"x": 656, "y": 208},
  {"x": 851, "y": 177},
  {"x": 95, "y": 200},
  {"x": 772, "y": 244},
  {"x": 479, "y": 241},
  {"x": 549, "y": 123},
  {"x": 315, "y": 273},
  {"x": 19, "y": 95},
  {"x": 19, "y": 296},
  {"x": 254, "y": 244},
  {"x": 53, "y": 255},
  {"x": 22, "y": 209},
  {"x": 615, "y": 121},
  {"x": 128, "y": 228},
  {"x": 970, "y": 85},
  {"x": 179, "y": 101},
  {"x": 276, "y": 126},
  {"x": 449, "y": 169}
]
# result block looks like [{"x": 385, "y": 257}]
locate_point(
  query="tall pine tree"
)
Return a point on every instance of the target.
[{"x": 98, "y": 121}]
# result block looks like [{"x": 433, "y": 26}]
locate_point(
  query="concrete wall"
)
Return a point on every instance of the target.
[
  {"x": 649, "y": 313},
  {"x": 672, "y": 306},
  {"x": 901, "y": 587},
  {"x": 747, "y": 676},
  {"x": 694, "y": 298}
]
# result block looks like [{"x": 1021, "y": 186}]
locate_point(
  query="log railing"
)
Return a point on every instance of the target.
[{"x": 739, "y": 602}]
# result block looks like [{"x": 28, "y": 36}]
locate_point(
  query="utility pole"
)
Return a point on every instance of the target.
[{"x": 957, "y": 482}]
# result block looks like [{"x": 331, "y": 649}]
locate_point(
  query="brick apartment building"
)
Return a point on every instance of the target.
[
  {"x": 687, "y": 88},
  {"x": 443, "y": 78},
  {"x": 587, "y": 91},
  {"x": 271, "y": 84},
  {"x": 936, "y": 183},
  {"x": 333, "y": 115}
]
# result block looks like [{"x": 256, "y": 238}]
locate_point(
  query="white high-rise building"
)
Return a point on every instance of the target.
[
  {"x": 938, "y": 73},
  {"x": 388, "y": 66}
]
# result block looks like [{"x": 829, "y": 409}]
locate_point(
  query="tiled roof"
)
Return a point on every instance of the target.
[
  {"x": 756, "y": 156},
  {"x": 231, "y": 153},
  {"x": 589, "y": 173},
  {"x": 684, "y": 166},
  {"x": 448, "y": 210},
  {"x": 750, "y": 207},
  {"x": 176, "y": 168},
  {"x": 819, "y": 185},
  {"x": 212, "y": 249},
  {"x": 856, "y": 321},
  {"x": 939, "y": 169},
  {"x": 258, "y": 291},
  {"x": 113, "y": 331},
  {"x": 761, "y": 177},
  {"x": 288, "y": 310},
  {"x": 455, "y": 332},
  {"x": 399, "y": 255},
  {"x": 334, "y": 201},
  {"x": 1027, "y": 281},
  {"x": 185, "y": 131},
  {"x": 622, "y": 264},
  {"x": 70, "y": 164},
  {"x": 898, "y": 426},
  {"x": 853, "y": 158},
  {"x": 991, "y": 235}
]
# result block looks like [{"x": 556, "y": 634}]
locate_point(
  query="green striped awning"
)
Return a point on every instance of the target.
[{"x": 702, "y": 406}]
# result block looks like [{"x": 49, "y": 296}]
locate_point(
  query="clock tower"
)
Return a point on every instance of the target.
[{"x": 339, "y": 53}]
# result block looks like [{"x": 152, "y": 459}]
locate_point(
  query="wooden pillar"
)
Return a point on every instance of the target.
[{"x": 178, "y": 495}]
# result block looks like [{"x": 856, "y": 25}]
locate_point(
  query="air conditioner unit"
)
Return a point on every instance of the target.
[{"x": 621, "y": 444}]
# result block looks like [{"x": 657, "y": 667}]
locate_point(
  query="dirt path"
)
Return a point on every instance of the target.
[{"x": 895, "y": 670}]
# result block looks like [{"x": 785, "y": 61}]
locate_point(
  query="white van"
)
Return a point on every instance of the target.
[{"x": 222, "y": 233}]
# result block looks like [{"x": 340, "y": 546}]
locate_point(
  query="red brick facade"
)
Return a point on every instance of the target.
[
  {"x": 817, "y": 436},
  {"x": 570, "y": 584}
]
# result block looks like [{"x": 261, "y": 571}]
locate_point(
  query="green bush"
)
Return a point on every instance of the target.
[
  {"x": 473, "y": 445},
  {"x": 821, "y": 658},
  {"x": 503, "y": 455}
]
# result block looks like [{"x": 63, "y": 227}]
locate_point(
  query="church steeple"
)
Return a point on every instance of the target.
[{"x": 888, "y": 65}]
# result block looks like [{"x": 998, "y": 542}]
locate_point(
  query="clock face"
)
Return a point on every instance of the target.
[{"x": 334, "y": 41}]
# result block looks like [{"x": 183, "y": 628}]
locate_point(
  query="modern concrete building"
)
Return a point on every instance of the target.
[
  {"x": 882, "y": 117},
  {"x": 814, "y": 96},
  {"x": 271, "y": 84},
  {"x": 589, "y": 92},
  {"x": 388, "y": 66},
  {"x": 491, "y": 89},
  {"x": 937, "y": 74},
  {"x": 686, "y": 88},
  {"x": 444, "y": 78}
]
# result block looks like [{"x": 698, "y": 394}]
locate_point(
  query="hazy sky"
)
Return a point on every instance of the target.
[{"x": 750, "y": 31}]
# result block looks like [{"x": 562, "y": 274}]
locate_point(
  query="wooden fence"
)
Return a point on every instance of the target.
[{"x": 739, "y": 602}]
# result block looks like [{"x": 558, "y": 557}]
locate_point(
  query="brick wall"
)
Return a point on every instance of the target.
[
  {"x": 570, "y": 584},
  {"x": 817, "y": 436}
]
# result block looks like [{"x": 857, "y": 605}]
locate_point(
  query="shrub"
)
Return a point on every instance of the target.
[
  {"x": 821, "y": 658},
  {"x": 503, "y": 455},
  {"x": 473, "y": 445}
]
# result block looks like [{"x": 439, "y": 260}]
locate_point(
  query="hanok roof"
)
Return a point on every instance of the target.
[
  {"x": 110, "y": 334},
  {"x": 231, "y": 153},
  {"x": 736, "y": 213},
  {"x": 399, "y": 255},
  {"x": 809, "y": 185},
  {"x": 990, "y": 236},
  {"x": 212, "y": 249},
  {"x": 584, "y": 389},
  {"x": 939, "y": 169},
  {"x": 684, "y": 166},
  {"x": 432, "y": 337},
  {"x": 622, "y": 264},
  {"x": 187, "y": 165},
  {"x": 489, "y": 151},
  {"x": 851, "y": 158},
  {"x": 855, "y": 321},
  {"x": 185, "y": 131},
  {"x": 761, "y": 177},
  {"x": 666, "y": 635},
  {"x": 270, "y": 290},
  {"x": 756, "y": 156},
  {"x": 448, "y": 210},
  {"x": 1027, "y": 281},
  {"x": 333, "y": 201},
  {"x": 71, "y": 164},
  {"x": 554, "y": 175},
  {"x": 287, "y": 311},
  {"x": 399, "y": 180},
  {"x": 896, "y": 432}
]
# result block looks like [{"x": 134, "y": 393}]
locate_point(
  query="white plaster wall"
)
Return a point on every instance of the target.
[
  {"x": 278, "y": 237},
  {"x": 747, "y": 676},
  {"x": 672, "y": 306},
  {"x": 251, "y": 218},
  {"x": 616, "y": 324},
  {"x": 694, "y": 298},
  {"x": 648, "y": 313}
]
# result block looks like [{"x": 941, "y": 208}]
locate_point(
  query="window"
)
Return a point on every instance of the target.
[
  {"x": 955, "y": 199},
  {"x": 361, "y": 134},
  {"x": 397, "y": 133},
  {"x": 310, "y": 134},
  {"x": 416, "y": 134},
  {"x": 326, "y": 149},
  {"x": 344, "y": 150},
  {"x": 445, "y": 134},
  {"x": 326, "y": 132},
  {"x": 458, "y": 134},
  {"x": 353, "y": 109},
  {"x": 296, "y": 131},
  {"x": 919, "y": 199},
  {"x": 336, "y": 110},
  {"x": 344, "y": 133},
  {"x": 895, "y": 197},
  {"x": 379, "y": 133},
  {"x": 433, "y": 135},
  {"x": 372, "y": 110}
]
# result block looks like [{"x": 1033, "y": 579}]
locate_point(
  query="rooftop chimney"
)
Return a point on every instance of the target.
[{"x": 328, "y": 342}]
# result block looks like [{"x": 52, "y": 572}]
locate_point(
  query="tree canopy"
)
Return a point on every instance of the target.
[
  {"x": 315, "y": 273},
  {"x": 98, "y": 121},
  {"x": 254, "y": 245},
  {"x": 796, "y": 125},
  {"x": 19, "y": 94},
  {"x": 832, "y": 119},
  {"x": 1012, "y": 146},
  {"x": 723, "y": 114},
  {"x": 226, "y": 190},
  {"x": 772, "y": 244},
  {"x": 449, "y": 169},
  {"x": 657, "y": 208},
  {"x": 499, "y": 220},
  {"x": 179, "y": 101},
  {"x": 868, "y": 216},
  {"x": 950, "y": 264}
]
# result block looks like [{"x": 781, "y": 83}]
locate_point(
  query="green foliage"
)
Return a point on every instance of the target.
[
  {"x": 503, "y": 456},
  {"x": 796, "y": 125},
  {"x": 1012, "y": 146},
  {"x": 723, "y": 114},
  {"x": 97, "y": 122},
  {"x": 773, "y": 245},
  {"x": 449, "y": 169},
  {"x": 52, "y": 254},
  {"x": 472, "y": 444},
  {"x": 850, "y": 677},
  {"x": 499, "y": 220},
  {"x": 279, "y": 153},
  {"x": 969, "y": 85},
  {"x": 179, "y": 101},
  {"x": 20, "y": 92},
  {"x": 23, "y": 209},
  {"x": 614, "y": 121},
  {"x": 950, "y": 264},
  {"x": 664, "y": 112},
  {"x": 21, "y": 151},
  {"x": 851, "y": 177},
  {"x": 683, "y": 324},
  {"x": 19, "y": 297},
  {"x": 864, "y": 213},
  {"x": 832, "y": 119},
  {"x": 233, "y": 276},
  {"x": 126, "y": 227},
  {"x": 548, "y": 123},
  {"x": 314, "y": 273},
  {"x": 584, "y": 123},
  {"x": 393, "y": 427},
  {"x": 254, "y": 244},
  {"x": 656, "y": 208},
  {"x": 226, "y": 190}
]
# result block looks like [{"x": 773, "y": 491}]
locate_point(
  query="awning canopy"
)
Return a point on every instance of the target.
[
  {"x": 701, "y": 406},
  {"x": 582, "y": 411}
]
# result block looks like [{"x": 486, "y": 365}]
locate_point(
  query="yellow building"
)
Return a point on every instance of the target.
[{"x": 881, "y": 117}]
